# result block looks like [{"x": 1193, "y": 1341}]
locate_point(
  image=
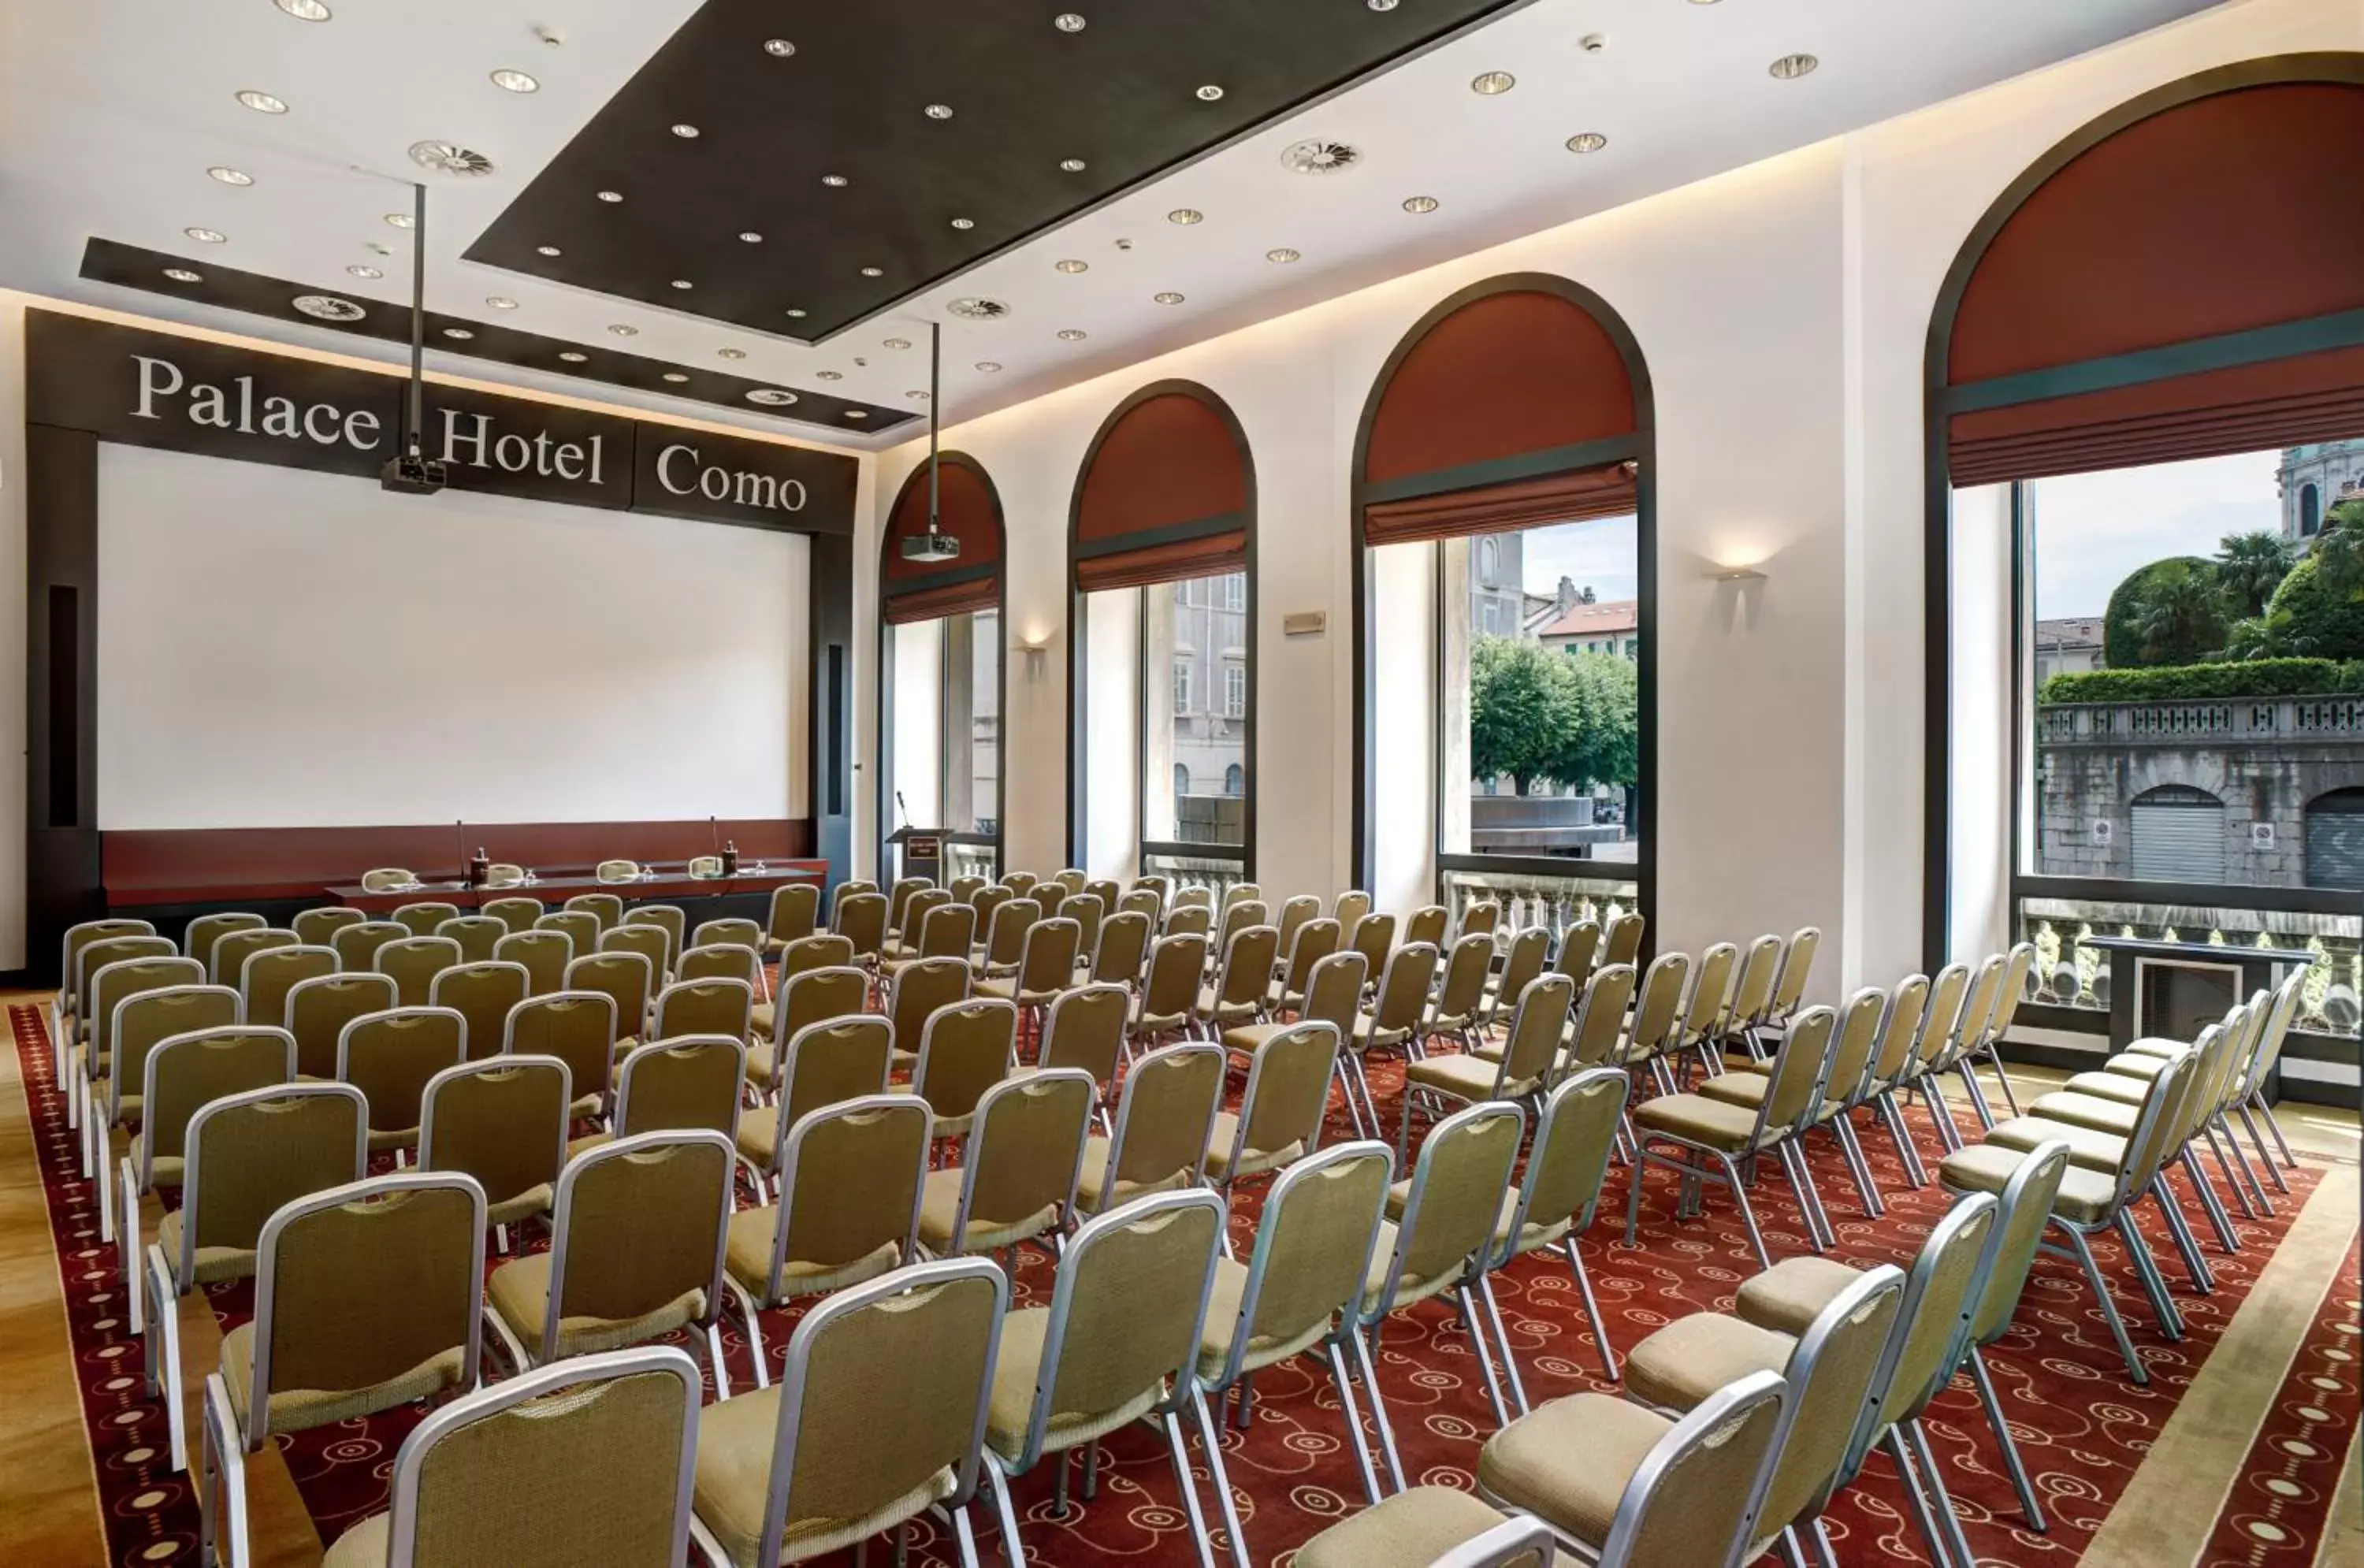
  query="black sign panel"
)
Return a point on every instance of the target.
[{"x": 159, "y": 389}]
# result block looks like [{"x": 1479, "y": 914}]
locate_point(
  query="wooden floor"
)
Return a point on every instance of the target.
[{"x": 49, "y": 1500}]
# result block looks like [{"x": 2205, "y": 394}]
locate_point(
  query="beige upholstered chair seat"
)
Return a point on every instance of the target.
[
  {"x": 531, "y": 1203},
  {"x": 939, "y": 1199},
  {"x": 1697, "y": 1119},
  {"x": 1223, "y": 1319},
  {"x": 1791, "y": 1294},
  {"x": 213, "y": 1263},
  {"x": 2119, "y": 1086},
  {"x": 301, "y": 1409},
  {"x": 363, "y": 1546},
  {"x": 2089, "y": 1148},
  {"x": 2140, "y": 1065},
  {"x": 1088, "y": 1191},
  {"x": 1410, "y": 1530},
  {"x": 1691, "y": 1358},
  {"x": 164, "y": 1171},
  {"x": 2152, "y": 1045},
  {"x": 1253, "y": 1162},
  {"x": 1224, "y": 1015},
  {"x": 945, "y": 1126},
  {"x": 1016, "y": 1367},
  {"x": 1246, "y": 1040},
  {"x": 2085, "y": 1196},
  {"x": 1368, "y": 1036},
  {"x": 759, "y": 1131},
  {"x": 1409, "y": 1291},
  {"x": 1156, "y": 1023},
  {"x": 747, "y": 1254},
  {"x": 2112, "y": 1117},
  {"x": 1006, "y": 986},
  {"x": 1468, "y": 1077},
  {"x": 734, "y": 1469},
  {"x": 520, "y": 1292},
  {"x": 1569, "y": 1462},
  {"x": 760, "y": 1018},
  {"x": 1533, "y": 1236}
]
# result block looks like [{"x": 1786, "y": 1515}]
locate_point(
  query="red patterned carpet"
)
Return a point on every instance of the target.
[{"x": 2082, "y": 1427}]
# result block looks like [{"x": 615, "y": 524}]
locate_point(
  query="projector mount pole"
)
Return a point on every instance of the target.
[
  {"x": 935, "y": 370},
  {"x": 415, "y": 436}
]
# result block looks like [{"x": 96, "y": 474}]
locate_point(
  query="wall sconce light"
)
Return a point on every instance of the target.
[
  {"x": 1738, "y": 574},
  {"x": 1033, "y": 652}
]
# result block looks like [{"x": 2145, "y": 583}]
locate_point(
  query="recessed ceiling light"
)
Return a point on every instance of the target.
[
  {"x": 1072, "y": 335},
  {"x": 750, "y": 237},
  {"x": 1185, "y": 216},
  {"x": 964, "y": 223},
  {"x": 1072, "y": 265},
  {"x": 450, "y": 157},
  {"x": 916, "y": 395},
  {"x": 230, "y": 176},
  {"x": 1420, "y": 203},
  {"x": 770, "y": 396},
  {"x": 327, "y": 307},
  {"x": 572, "y": 356},
  {"x": 683, "y": 283},
  {"x": 549, "y": 251},
  {"x": 500, "y": 302},
  {"x": 835, "y": 182},
  {"x": 1283, "y": 255},
  {"x": 977, "y": 307},
  {"x": 207, "y": 236},
  {"x": 375, "y": 249},
  {"x": 262, "y": 103},
  {"x": 625, "y": 330},
  {"x": 305, "y": 10},
  {"x": 675, "y": 376},
  {"x": 939, "y": 111},
  {"x": 795, "y": 311},
  {"x": 897, "y": 343},
  {"x": 1068, "y": 22},
  {"x": 461, "y": 333},
  {"x": 1166, "y": 296},
  {"x": 1586, "y": 141},
  {"x": 1072, "y": 165},
  {"x": 1492, "y": 84},
  {"x": 399, "y": 219},
  {"x": 515, "y": 81},
  {"x": 1209, "y": 93},
  {"x": 182, "y": 275},
  {"x": 361, "y": 272},
  {"x": 1318, "y": 156},
  {"x": 778, "y": 48},
  {"x": 989, "y": 367},
  {"x": 829, "y": 376},
  {"x": 686, "y": 132},
  {"x": 1702, "y": 2},
  {"x": 611, "y": 196},
  {"x": 857, "y": 413},
  {"x": 1380, "y": 4},
  {"x": 873, "y": 271},
  {"x": 1789, "y": 67},
  {"x": 733, "y": 353}
]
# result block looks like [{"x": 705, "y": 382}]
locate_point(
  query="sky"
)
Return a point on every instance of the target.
[
  {"x": 2091, "y": 529},
  {"x": 1601, "y": 553}
]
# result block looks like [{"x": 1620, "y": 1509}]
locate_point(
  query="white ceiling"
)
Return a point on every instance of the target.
[{"x": 114, "y": 110}]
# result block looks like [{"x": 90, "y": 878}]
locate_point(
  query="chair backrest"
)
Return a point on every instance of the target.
[
  {"x": 1622, "y": 937},
  {"x": 317, "y": 926},
  {"x": 1710, "y": 985},
  {"x": 838, "y": 1058},
  {"x": 639, "y": 1224},
  {"x": 1050, "y": 896},
  {"x": 1481, "y": 917},
  {"x": 1085, "y": 1029},
  {"x": 1237, "y": 917},
  {"x": 1657, "y": 1006},
  {"x": 1900, "y": 1030},
  {"x": 2018, "y": 963},
  {"x": 1020, "y": 882},
  {"x": 668, "y": 919},
  {"x": 1403, "y": 989},
  {"x": 388, "y": 879},
  {"x": 1106, "y": 889},
  {"x": 1315, "y": 939},
  {"x": 617, "y": 870},
  {"x": 319, "y": 1010},
  {"x": 795, "y": 911},
  {"x": 944, "y": 930},
  {"x": 198, "y": 936},
  {"x": 1287, "y": 1091},
  {"x": 360, "y": 1287},
  {"x": 826, "y": 951},
  {"x": 1979, "y": 1004},
  {"x": 148, "y": 1018},
  {"x": 577, "y": 1027},
  {"x": 1695, "y": 1496},
  {"x": 413, "y": 962},
  {"x": 1933, "y": 1320},
  {"x": 1463, "y": 990},
  {"x": 125, "y": 979},
  {"x": 648, "y": 940},
  {"x": 1349, "y": 907},
  {"x": 389, "y": 1056},
  {"x": 1532, "y": 1044},
  {"x": 2025, "y": 1209},
  {"x": 250, "y": 1154},
  {"x": 1455, "y": 1201},
  {"x": 908, "y": 916},
  {"x": 884, "y": 1397},
  {"x": 482, "y": 994},
  {"x": 1600, "y": 1015},
  {"x": 357, "y": 945},
  {"x": 986, "y": 900},
  {"x": 1022, "y": 1157},
  {"x": 1797, "y": 968},
  {"x": 1163, "y": 1120},
  {"x": 851, "y": 1175},
  {"x": 1123, "y": 948},
  {"x": 225, "y": 965},
  {"x": 1522, "y": 959},
  {"x": 2157, "y": 1127},
  {"x": 1175, "y": 964},
  {"x": 1312, "y": 1252},
  {"x": 267, "y": 977},
  {"x": 420, "y": 919},
  {"x": 862, "y": 920},
  {"x": 1004, "y": 935},
  {"x": 1752, "y": 990},
  {"x": 543, "y": 955},
  {"x": 1852, "y": 1049},
  {"x": 516, "y": 914},
  {"x": 1426, "y": 924},
  {"x": 1579, "y": 948},
  {"x": 1831, "y": 1374},
  {"x": 1947, "y": 993},
  {"x": 719, "y": 960},
  {"x": 899, "y": 899},
  {"x": 1373, "y": 935},
  {"x": 1794, "y": 1091},
  {"x": 1198, "y": 895},
  {"x": 1070, "y": 878},
  {"x": 501, "y": 1120},
  {"x": 817, "y": 994},
  {"x": 965, "y": 1050},
  {"x": 1127, "y": 1309},
  {"x": 581, "y": 926},
  {"x": 918, "y": 988},
  {"x": 683, "y": 1084},
  {"x": 1143, "y": 901},
  {"x": 1574, "y": 1137},
  {"x": 476, "y": 934},
  {"x": 704, "y": 1007},
  {"x": 81, "y": 935},
  {"x": 2258, "y": 1070},
  {"x": 1086, "y": 910},
  {"x": 1333, "y": 991},
  {"x": 1295, "y": 912},
  {"x": 186, "y": 1072},
  {"x": 589, "y": 1461},
  {"x": 731, "y": 931},
  {"x": 98, "y": 954},
  {"x": 1248, "y": 960},
  {"x": 1049, "y": 960}
]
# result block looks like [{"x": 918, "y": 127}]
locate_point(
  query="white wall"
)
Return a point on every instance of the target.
[{"x": 917, "y": 651}]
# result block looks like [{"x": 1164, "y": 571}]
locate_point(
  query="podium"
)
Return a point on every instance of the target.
[{"x": 920, "y": 852}]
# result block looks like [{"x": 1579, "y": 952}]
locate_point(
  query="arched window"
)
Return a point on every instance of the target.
[
  {"x": 2310, "y": 511},
  {"x": 942, "y": 682},
  {"x": 1163, "y": 644},
  {"x": 2178, "y": 835},
  {"x": 1504, "y": 454},
  {"x": 2335, "y": 840}
]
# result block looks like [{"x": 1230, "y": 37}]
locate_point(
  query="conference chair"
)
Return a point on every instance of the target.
[
  {"x": 1987, "y": 1044},
  {"x": 364, "y": 1301},
  {"x": 909, "y": 922},
  {"x": 825, "y": 951},
  {"x": 64, "y": 1009},
  {"x": 607, "y": 908},
  {"x": 1523, "y": 960},
  {"x": 1146, "y": 902},
  {"x": 1122, "y": 953},
  {"x": 1480, "y": 918},
  {"x": 1117, "y": 1344},
  {"x": 1427, "y": 924},
  {"x": 198, "y": 936},
  {"x": 800, "y": 1470},
  {"x": 1620, "y": 940},
  {"x": 545, "y": 955},
  {"x": 814, "y": 996},
  {"x": 1846, "y": 1084},
  {"x": 109, "y": 988},
  {"x": 1892, "y": 1068},
  {"x": 1107, "y": 891},
  {"x": 1046, "y": 966},
  {"x": 1279, "y": 1119},
  {"x": 1712, "y": 1137},
  {"x": 1087, "y": 912},
  {"x": 862, "y": 920},
  {"x": 1750, "y": 1012},
  {"x": 1084, "y": 1029},
  {"x": 357, "y": 946},
  {"x": 226, "y": 965},
  {"x": 617, "y": 870},
  {"x": 1978, "y": 1010},
  {"x": 965, "y": 1050},
  {"x": 1458, "y": 1008},
  {"x": 476, "y": 934},
  {"x": 720, "y": 960},
  {"x": 1071, "y": 878},
  {"x": 1349, "y": 907},
  {"x": 413, "y": 962},
  {"x": 1237, "y": 994},
  {"x": 847, "y": 1210},
  {"x": 824, "y": 1063},
  {"x": 795, "y": 909},
  {"x": 1393, "y": 1020},
  {"x": 1015, "y": 1179},
  {"x": 184, "y": 1074},
  {"x": 1431, "y": 1527},
  {"x": 516, "y": 913},
  {"x": 945, "y": 930},
  {"x": 1190, "y": 920},
  {"x": 649, "y": 941},
  {"x": 1702, "y": 1027},
  {"x": 589, "y": 1461},
  {"x": 1658, "y": 1019},
  {"x": 388, "y": 879},
  {"x": 500, "y": 1121},
  {"x": 246, "y": 1155},
  {"x": 1158, "y": 884},
  {"x": 668, "y": 919},
  {"x": 1315, "y": 939},
  {"x": 1005, "y": 937},
  {"x": 1021, "y": 884},
  {"x": 318, "y": 1010},
  {"x": 1295, "y": 911},
  {"x": 141, "y": 1022},
  {"x": 390, "y": 1056},
  {"x": 1520, "y": 1072},
  {"x": 482, "y": 994},
  {"x": 579, "y": 1029},
  {"x": 703, "y": 1007},
  {"x": 685, "y": 1085},
  {"x": 319, "y": 926},
  {"x": 1050, "y": 896},
  {"x": 899, "y": 894},
  {"x": 1165, "y": 1121},
  {"x": 1170, "y": 990},
  {"x": 1580, "y": 950},
  {"x": 1597, "y": 1031},
  {"x": 636, "y": 1232},
  {"x": 504, "y": 873},
  {"x": 729, "y": 931},
  {"x": 1196, "y": 895},
  {"x": 267, "y": 977},
  {"x": 1237, "y": 915},
  {"x": 1373, "y": 935},
  {"x": 420, "y": 919}
]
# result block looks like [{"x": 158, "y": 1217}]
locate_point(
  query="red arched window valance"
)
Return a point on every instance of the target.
[
  {"x": 969, "y": 510},
  {"x": 1168, "y": 492},
  {"x": 2184, "y": 279},
  {"x": 1510, "y": 406}
]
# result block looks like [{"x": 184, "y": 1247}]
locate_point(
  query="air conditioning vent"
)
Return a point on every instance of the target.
[{"x": 1316, "y": 156}]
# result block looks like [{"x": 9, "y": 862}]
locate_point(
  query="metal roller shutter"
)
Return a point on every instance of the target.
[
  {"x": 2178, "y": 840},
  {"x": 2335, "y": 849}
]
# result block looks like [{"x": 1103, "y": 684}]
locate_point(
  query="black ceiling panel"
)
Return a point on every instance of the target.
[
  {"x": 1120, "y": 93},
  {"x": 107, "y": 261}
]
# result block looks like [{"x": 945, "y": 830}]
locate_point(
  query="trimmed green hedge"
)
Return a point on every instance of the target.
[{"x": 2249, "y": 678}]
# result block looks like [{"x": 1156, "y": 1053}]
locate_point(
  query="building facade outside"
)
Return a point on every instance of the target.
[
  {"x": 1573, "y": 623},
  {"x": 2070, "y": 646},
  {"x": 2313, "y": 479},
  {"x": 1210, "y": 686}
]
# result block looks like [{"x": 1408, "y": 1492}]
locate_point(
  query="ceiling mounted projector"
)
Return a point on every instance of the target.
[{"x": 930, "y": 547}]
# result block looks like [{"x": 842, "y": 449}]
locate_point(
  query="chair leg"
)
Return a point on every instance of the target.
[
  {"x": 1947, "y": 1520},
  {"x": 1379, "y": 1410},
  {"x": 2228, "y": 1239},
  {"x": 1353, "y": 1421},
  {"x": 1197, "y": 1516},
  {"x": 2154, "y": 1283},
  {"x": 1826, "y": 1553},
  {"x": 2232, "y": 1145},
  {"x": 2029, "y": 1506},
  {"x": 2240, "y": 1192},
  {"x": 165, "y": 1304},
  {"x": 1810, "y": 1200},
  {"x": 1591, "y": 1308},
  {"x": 1006, "y": 1511},
  {"x": 1858, "y": 1166},
  {"x": 1969, "y": 1068},
  {"x": 1919, "y": 1497},
  {"x": 714, "y": 1351},
  {"x": 2257, "y": 1141},
  {"x": 1467, "y": 1301},
  {"x": 1212, "y": 1441},
  {"x": 1993, "y": 1053},
  {"x": 1792, "y": 1554},
  {"x": 1949, "y": 1133},
  {"x": 1893, "y": 1119},
  {"x": 1502, "y": 1342},
  {"x": 2274, "y": 1126},
  {"x": 2178, "y": 1231},
  {"x": 2084, "y": 1254},
  {"x": 126, "y": 1247}
]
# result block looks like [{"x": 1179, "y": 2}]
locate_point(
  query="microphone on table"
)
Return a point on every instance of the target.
[
  {"x": 460, "y": 842},
  {"x": 903, "y": 808}
]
